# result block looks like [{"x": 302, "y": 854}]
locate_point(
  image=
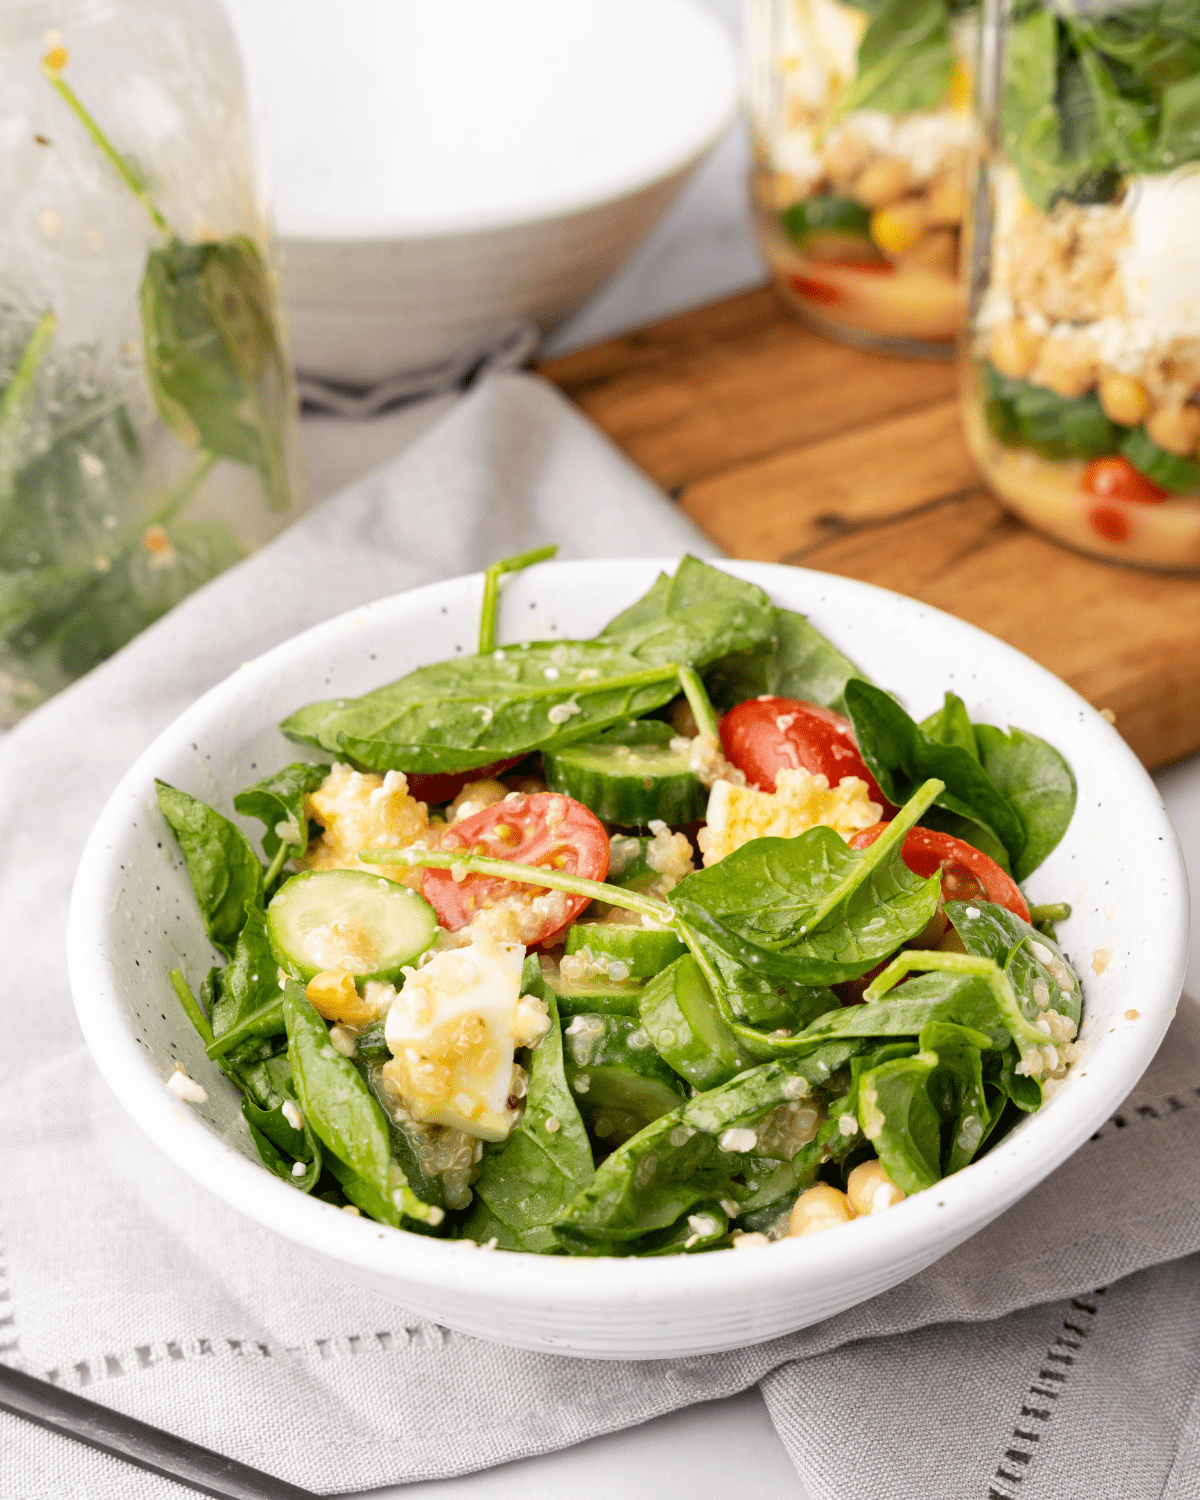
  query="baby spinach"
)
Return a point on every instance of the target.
[
  {"x": 1037, "y": 783},
  {"x": 333, "y": 1098},
  {"x": 693, "y": 617},
  {"x": 618, "y": 1081},
  {"x": 684, "y": 1021},
  {"x": 251, "y": 982},
  {"x": 901, "y": 755},
  {"x": 904, "y": 60},
  {"x": 224, "y": 870},
  {"x": 278, "y": 802},
  {"x": 797, "y": 662},
  {"x": 811, "y": 909},
  {"x": 280, "y": 1145},
  {"x": 1036, "y": 966},
  {"x": 529, "y": 1179}
]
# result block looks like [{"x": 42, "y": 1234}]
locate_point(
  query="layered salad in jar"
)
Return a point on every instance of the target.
[
  {"x": 1083, "y": 399},
  {"x": 862, "y": 122}
]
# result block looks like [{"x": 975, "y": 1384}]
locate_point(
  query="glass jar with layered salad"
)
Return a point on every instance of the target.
[
  {"x": 1082, "y": 397},
  {"x": 861, "y": 123},
  {"x": 148, "y": 432}
]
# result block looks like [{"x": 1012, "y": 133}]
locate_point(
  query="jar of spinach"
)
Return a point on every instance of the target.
[
  {"x": 1082, "y": 396},
  {"x": 861, "y": 124},
  {"x": 148, "y": 434}
]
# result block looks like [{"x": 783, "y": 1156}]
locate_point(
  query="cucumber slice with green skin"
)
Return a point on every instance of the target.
[
  {"x": 629, "y": 784},
  {"x": 643, "y": 953},
  {"x": 687, "y": 1029},
  {"x": 581, "y": 997},
  {"x": 619, "y": 1082},
  {"x": 826, "y": 214},
  {"x": 1180, "y": 475},
  {"x": 384, "y": 925}
]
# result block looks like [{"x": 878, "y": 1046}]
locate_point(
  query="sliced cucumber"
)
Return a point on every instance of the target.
[
  {"x": 628, "y": 784},
  {"x": 643, "y": 953},
  {"x": 825, "y": 224},
  {"x": 347, "y": 919},
  {"x": 575, "y": 997},
  {"x": 1173, "y": 472},
  {"x": 619, "y": 1082},
  {"x": 685, "y": 1025}
]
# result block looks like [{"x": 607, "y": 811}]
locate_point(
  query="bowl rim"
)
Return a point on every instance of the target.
[
  {"x": 925, "y": 1221},
  {"x": 540, "y": 211}
]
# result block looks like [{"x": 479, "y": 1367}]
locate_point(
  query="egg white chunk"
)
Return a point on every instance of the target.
[{"x": 452, "y": 1031}]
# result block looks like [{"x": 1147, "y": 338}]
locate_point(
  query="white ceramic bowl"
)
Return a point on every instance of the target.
[
  {"x": 1120, "y": 856},
  {"x": 444, "y": 170}
]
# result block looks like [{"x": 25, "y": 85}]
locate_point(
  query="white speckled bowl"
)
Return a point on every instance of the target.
[{"x": 132, "y": 916}]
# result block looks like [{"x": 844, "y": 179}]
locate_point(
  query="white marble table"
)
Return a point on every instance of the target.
[{"x": 700, "y": 252}]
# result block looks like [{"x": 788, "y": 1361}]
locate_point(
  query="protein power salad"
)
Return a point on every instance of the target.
[{"x": 679, "y": 938}]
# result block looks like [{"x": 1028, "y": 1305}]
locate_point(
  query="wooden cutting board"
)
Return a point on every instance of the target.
[{"x": 786, "y": 447}]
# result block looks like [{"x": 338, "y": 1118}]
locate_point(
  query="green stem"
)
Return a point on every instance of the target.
[
  {"x": 645, "y": 678},
  {"x": 1023, "y": 1032},
  {"x": 190, "y": 1004},
  {"x": 115, "y": 160},
  {"x": 1052, "y": 911},
  {"x": 491, "y": 590},
  {"x": 699, "y": 702},
  {"x": 506, "y": 869},
  {"x": 282, "y": 855},
  {"x": 31, "y": 357},
  {"x": 248, "y": 1026},
  {"x": 188, "y": 484}
]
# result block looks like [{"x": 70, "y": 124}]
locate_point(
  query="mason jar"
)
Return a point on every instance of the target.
[
  {"x": 1082, "y": 366},
  {"x": 148, "y": 421},
  {"x": 861, "y": 123}
]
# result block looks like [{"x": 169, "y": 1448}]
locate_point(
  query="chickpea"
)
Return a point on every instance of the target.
[
  {"x": 946, "y": 201},
  {"x": 885, "y": 181},
  {"x": 475, "y": 796},
  {"x": 1014, "y": 349},
  {"x": 332, "y": 994},
  {"x": 1175, "y": 428},
  {"x": 1124, "y": 399},
  {"x": 821, "y": 1207},
  {"x": 870, "y": 1189},
  {"x": 936, "y": 250},
  {"x": 898, "y": 228},
  {"x": 1065, "y": 368},
  {"x": 683, "y": 720}
]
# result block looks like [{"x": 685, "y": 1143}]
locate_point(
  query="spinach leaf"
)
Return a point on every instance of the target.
[
  {"x": 958, "y": 999},
  {"x": 677, "y": 1161},
  {"x": 224, "y": 870},
  {"x": 950, "y": 725},
  {"x": 529, "y": 1179},
  {"x": 333, "y": 1098},
  {"x": 251, "y": 982},
  {"x": 213, "y": 359},
  {"x": 798, "y": 662},
  {"x": 900, "y": 757},
  {"x": 280, "y": 1145},
  {"x": 1030, "y": 126},
  {"x": 904, "y": 60},
  {"x": 900, "y": 1120},
  {"x": 957, "y": 1089},
  {"x": 687, "y": 1028},
  {"x": 1036, "y": 966},
  {"x": 810, "y": 909},
  {"x": 1037, "y": 783},
  {"x": 456, "y": 715},
  {"x": 692, "y": 618},
  {"x": 278, "y": 801}
]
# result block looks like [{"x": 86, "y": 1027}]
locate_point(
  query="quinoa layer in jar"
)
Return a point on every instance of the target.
[
  {"x": 861, "y": 124},
  {"x": 1082, "y": 400}
]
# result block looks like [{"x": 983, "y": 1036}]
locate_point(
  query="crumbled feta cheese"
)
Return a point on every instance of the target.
[{"x": 738, "y": 1140}]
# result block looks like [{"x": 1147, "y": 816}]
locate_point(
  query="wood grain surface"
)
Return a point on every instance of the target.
[{"x": 786, "y": 447}]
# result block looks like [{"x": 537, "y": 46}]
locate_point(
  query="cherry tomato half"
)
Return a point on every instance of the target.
[
  {"x": 436, "y": 787},
  {"x": 967, "y": 874},
  {"x": 543, "y": 829},
  {"x": 1115, "y": 478},
  {"x": 765, "y": 735}
]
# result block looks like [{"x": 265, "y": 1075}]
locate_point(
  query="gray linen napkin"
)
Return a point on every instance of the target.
[{"x": 122, "y": 1280}]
